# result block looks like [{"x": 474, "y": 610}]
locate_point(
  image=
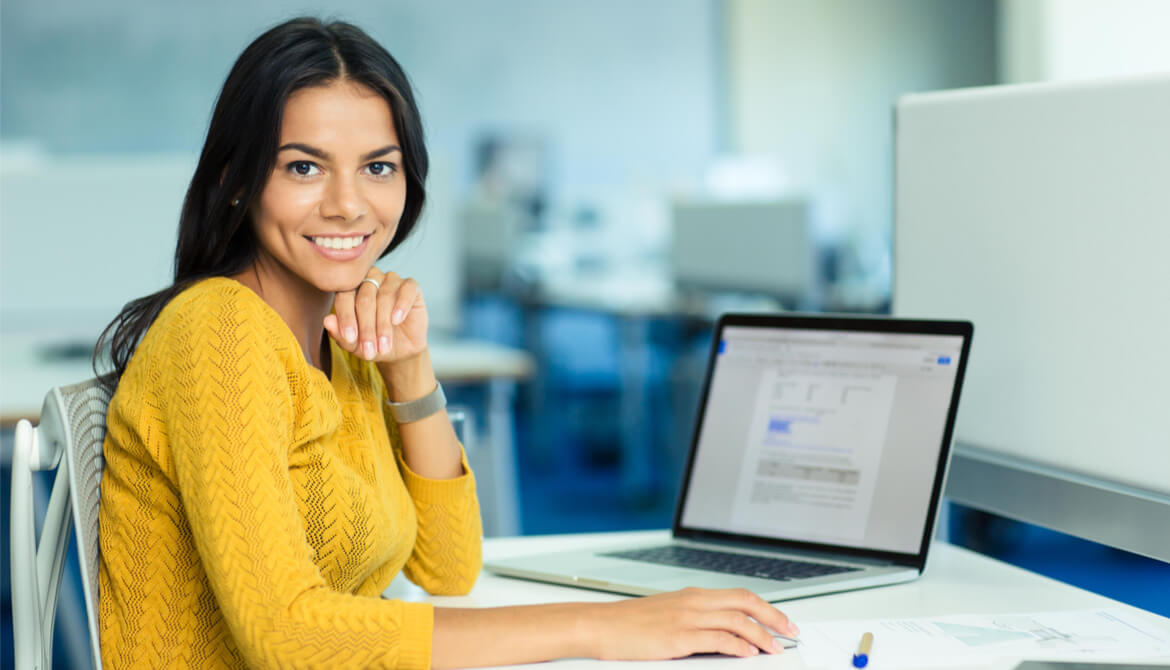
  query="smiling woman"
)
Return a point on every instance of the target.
[
  {"x": 330, "y": 208},
  {"x": 277, "y": 446}
]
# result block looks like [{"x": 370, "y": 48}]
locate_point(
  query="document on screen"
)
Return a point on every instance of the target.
[{"x": 814, "y": 445}]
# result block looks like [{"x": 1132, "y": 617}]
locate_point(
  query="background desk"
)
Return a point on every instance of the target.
[
  {"x": 957, "y": 581},
  {"x": 637, "y": 327},
  {"x": 26, "y": 375}
]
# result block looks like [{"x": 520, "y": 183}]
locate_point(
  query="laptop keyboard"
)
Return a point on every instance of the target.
[{"x": 730, "y": 563}]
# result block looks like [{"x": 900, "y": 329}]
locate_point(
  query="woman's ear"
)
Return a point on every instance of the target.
[{"x": 238, "y": 195}]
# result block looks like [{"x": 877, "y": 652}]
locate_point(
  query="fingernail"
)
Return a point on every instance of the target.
[
  {"x": 755, "y": 650},
  {"x": 794, "y": 629},
  {"x": 350, "y": 334},
  {"x": 384, "y": 344},
  {"x": 397, "y": 317},
  {"x": 368, "y": 348},
  {"x": 777, "y": 645}
]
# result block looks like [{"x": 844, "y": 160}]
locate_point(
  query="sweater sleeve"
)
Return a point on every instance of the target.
[
  {"x": 229, "y": 418},
  {"x": 447, "y": 556}
]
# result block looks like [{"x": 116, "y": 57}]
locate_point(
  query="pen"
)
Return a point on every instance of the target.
[{"x": 862, "y": 656}]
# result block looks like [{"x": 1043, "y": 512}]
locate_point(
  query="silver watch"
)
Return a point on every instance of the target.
[{"x": 419, "y": 408}]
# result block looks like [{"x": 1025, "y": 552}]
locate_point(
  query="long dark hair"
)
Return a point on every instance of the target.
[{"x": 215, "y": 235}]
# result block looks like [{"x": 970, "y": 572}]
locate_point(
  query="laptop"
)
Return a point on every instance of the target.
[{"x": 816, "y": 464}]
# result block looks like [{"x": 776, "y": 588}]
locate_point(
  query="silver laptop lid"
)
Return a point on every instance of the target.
[{"x": 824, "y": 433}]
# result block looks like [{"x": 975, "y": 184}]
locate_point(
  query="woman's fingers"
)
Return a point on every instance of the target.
[
  {"x": 383, "y": 325},
  {"x": 732, "y": 621},
  {"x": 331, "y": 326},
  {"x": 395, "y": 301},
  {"x": 759, "y": 609},
  {"x": 742, "y": 626},
  {"x": 407, "y": 294},
  {"x": 719, "y": 642},
  {"x": 346, "y": 322},
  {"x": 364, "y": 319},
  {"x": 366, "y": 313}
]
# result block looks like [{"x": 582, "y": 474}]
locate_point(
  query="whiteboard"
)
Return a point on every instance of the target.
[{"x": 1042, "y": 214}]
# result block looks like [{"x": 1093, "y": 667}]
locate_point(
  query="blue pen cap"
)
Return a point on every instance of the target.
[{"x": 860, "y": 660}]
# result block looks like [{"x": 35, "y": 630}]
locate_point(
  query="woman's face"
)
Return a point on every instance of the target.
[{"x": 336, "y": 193}]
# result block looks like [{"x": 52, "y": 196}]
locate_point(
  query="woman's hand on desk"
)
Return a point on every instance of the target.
[
  {"x": 691, "y": 621},
  {"x": 668, "y": 625}
]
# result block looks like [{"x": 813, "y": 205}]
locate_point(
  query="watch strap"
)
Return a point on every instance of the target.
[{"x": 419, "y": 408}]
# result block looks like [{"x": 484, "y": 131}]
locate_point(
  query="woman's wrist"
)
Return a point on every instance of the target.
[
  {"x": 586, "y": 629},
  {"x": 409, "y": 378}
]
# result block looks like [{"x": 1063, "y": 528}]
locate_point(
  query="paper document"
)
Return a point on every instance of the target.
[{"x": 963, "y": 640}]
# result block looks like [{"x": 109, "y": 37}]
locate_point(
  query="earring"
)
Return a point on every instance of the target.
[{"x": 235, "y": 202}]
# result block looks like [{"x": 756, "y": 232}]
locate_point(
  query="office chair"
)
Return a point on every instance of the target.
[
  {"x": 69, "y": 438},
  {"x": 497, "y": 500}
]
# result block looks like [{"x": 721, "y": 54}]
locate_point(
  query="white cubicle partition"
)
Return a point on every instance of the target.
[
  {"x": 84, "y": 234},
  {"x": 1042, "y": 214}
]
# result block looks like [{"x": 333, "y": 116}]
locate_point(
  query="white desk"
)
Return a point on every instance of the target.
[{"x": 957, "y": 581}]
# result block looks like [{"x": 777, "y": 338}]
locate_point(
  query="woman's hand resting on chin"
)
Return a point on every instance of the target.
[{"x": 386, "y": 324}]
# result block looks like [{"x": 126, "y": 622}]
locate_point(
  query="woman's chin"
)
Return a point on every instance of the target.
[{"x": 339, "y": 283}]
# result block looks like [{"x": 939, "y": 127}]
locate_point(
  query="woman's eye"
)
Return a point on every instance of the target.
[
  {"x": 302, "y": 168},
  {"x": 381, "y": 168}
]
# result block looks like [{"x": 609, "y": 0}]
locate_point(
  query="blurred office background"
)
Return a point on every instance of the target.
[{"x": 607, "y": 177}]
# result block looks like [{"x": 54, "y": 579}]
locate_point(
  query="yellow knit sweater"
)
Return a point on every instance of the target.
[{"x": 253, "y": 509}]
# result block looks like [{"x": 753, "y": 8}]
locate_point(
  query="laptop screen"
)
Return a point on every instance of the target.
[{"x": 823, "y": 436}]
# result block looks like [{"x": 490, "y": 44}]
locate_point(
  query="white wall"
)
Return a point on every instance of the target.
[
  {"x": 623, "y": 94},
  {"x": 1079, "y": 39},
  {"x": 813, "y": 84},
  {"x": 623, "y": 90}
]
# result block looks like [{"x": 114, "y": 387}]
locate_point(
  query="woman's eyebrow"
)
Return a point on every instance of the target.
[
  {"x": 324, "y": 155},
  {"x": 312, "y": 151},
  {"x": 389, "y": 148}
]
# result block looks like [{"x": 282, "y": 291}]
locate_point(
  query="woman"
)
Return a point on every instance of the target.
[{"x": 277, "y": 448}]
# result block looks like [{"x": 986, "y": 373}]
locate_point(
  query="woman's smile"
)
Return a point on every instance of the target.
[{"x": 340, "y": 247}]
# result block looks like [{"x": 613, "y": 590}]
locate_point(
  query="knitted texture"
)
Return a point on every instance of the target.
[{"x": 253, "y": 509}]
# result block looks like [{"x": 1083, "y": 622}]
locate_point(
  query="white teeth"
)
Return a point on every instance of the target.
[{"x": 338, "y": 242}]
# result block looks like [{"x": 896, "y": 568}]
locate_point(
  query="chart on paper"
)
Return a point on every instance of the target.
[
  {"x": 941, "y": 642},
  {"x": 815, "y": 443}
]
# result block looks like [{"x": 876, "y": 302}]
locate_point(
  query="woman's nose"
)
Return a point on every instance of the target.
[{"x": 343, "y": 200}]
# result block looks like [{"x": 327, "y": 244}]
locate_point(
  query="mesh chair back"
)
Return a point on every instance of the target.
[{"x": 75, "y": 415}]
